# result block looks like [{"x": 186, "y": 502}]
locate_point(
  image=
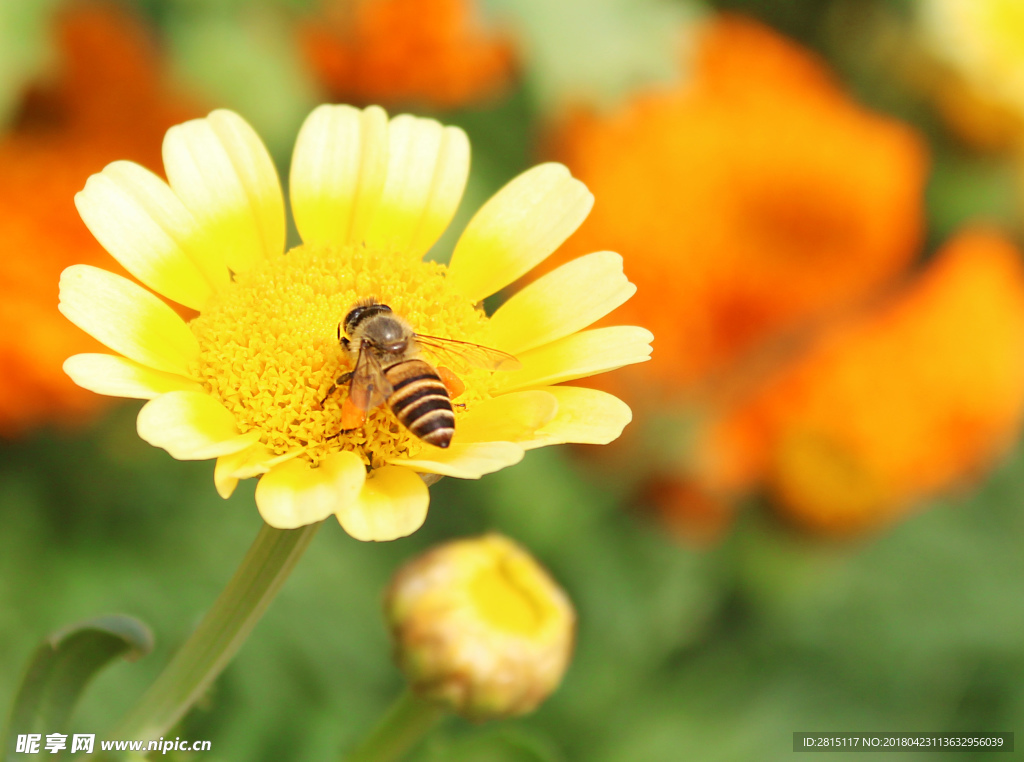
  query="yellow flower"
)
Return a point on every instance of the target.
[
  {"x": 243, "y": 381},
  {"x": 976, "y": 48},
  {"x": 481, "y": 627}
]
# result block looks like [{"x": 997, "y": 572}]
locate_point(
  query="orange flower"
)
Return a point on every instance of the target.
[
  {"x": 892, "y": 405},
  {"x": 746, "y": 200},
  {"x": 105, "y": 101},
  {"x": 429, "y": 52}
]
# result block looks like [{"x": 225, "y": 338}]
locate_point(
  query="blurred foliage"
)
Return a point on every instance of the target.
[
  {"x": 596, "y": 51},
  {"x": 714, "y": 654},
  {"x": 246, "y": 59},
  {"x": 24, "y": 48},
  {"x": 63, "y": 666}
]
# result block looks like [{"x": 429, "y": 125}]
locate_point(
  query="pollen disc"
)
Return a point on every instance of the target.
[{"x": 269, "y": 348}]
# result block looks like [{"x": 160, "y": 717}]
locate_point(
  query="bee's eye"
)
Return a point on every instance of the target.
[
  {"x": 354, "y": 317},
  {"x": 362, "y": 311}
]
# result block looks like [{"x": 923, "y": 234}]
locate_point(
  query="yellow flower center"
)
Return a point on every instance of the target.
[
  {"x": 269, "y": 347},
  {"x": 510, "y": 596},
  {"x": 1005, "y": 28}
]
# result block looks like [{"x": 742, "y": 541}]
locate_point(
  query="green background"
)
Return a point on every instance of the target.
[{"x": 714, "y": 654}]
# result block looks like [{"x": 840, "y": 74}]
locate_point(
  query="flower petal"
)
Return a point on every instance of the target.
[
  {"x": 517, "y": 229},
  {"x": 585, "y": 416},
  {"x": 392, "y": 504},
  {"x": 428, "y": 165},
  {"x": 191, "y": 426},
  {"x": 464, "y": 461},
  {"x": 508, "y": 418},
  {"x": 252, "y": 461},
  {"x": 562, "y": 302},
  {"x": 127, "y": 318},
  {"x": 338, "y": 172},
  {"x": 120, "y": 377},
  {"x": 582, "y": 354},
  {"x": 138, "y": 219},
  {"x": 294, "y": 494},
  {"x": 220, "y": 169}
]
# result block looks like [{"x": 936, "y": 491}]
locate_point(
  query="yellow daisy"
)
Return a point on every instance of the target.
[
  {"x": 973, "y": 67},
  {"x": 243, "y": 381}
]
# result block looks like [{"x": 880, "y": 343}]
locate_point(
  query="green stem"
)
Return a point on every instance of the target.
[
  {"x": 404, "y": 725},
  {"x": 218, "y": 637}
]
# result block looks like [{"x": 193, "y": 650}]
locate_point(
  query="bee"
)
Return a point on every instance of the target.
[{"x": 388, "y": 369}]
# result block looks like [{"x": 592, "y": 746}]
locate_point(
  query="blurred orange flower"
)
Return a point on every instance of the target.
[
  {"x": 760, "y": 212},
  {"x": 105, "y": 100},
  {"x": 748, "y": 199},
  {"x": 429, "y": 52},
  {"x": 891, "y": 405}
]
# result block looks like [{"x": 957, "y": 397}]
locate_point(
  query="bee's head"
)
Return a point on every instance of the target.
[{"x": 365, "y": 308}]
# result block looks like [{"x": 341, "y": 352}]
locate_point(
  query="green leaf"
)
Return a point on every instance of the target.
[{"x": 62, "y": 667}]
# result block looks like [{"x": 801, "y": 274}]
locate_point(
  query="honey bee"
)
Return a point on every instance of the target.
[{"x": 388, "y": 370}]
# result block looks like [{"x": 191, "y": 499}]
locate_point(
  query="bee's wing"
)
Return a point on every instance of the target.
[
  {"x": 462, "y": 354},
  {"x": 369, "y": 386}
]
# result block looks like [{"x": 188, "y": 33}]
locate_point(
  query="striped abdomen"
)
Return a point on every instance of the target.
[{"x": 420, "y": 402}]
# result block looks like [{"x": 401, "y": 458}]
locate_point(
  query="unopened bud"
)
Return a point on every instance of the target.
[{"x": 481, "y": 627}]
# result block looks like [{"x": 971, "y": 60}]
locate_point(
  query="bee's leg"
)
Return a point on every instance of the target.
[
  {"x": 339, "y": 432},
  {"x": 340, "y": 381},
  {"x": 459, "y": 404}
]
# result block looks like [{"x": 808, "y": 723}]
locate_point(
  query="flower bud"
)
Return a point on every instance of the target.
[{"x": 481, "y": 627}]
